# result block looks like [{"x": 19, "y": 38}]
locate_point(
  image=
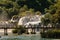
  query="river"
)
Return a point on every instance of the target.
[{"x": 25, "y": 37}]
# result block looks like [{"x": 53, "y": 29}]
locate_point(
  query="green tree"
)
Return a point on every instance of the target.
[
  {"x": 46, "y": 19},
  {"x": 54, "y": 9},
  {"x": 19, "y": 30}
]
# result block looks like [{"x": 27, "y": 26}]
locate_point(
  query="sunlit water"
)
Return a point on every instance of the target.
[{"x": 25, "y": 37}]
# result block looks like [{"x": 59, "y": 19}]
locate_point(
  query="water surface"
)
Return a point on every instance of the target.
[{"x": 25, "y": 37}]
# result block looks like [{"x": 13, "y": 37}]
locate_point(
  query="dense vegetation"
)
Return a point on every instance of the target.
[
  {"x": 51, "y": 9},
  {"x": 55, "y": 33},
  {"x": 52, "y": 15},
  {"x": 16, "y": 7},
  {"x": 19, "y": 30}
]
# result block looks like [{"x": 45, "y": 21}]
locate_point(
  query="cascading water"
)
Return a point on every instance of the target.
[
  {"x": 23, "y": 20},
  {"x": 30, "y": 20}
]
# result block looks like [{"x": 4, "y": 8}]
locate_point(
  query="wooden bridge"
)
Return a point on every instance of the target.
[
  {"x": 6, "y": 26},
  {"x": 10, "y": 26}
]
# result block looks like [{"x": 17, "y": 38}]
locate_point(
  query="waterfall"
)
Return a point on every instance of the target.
[
  {"x": 23, "y": 20},
  {"x": 26, "y": 20}
]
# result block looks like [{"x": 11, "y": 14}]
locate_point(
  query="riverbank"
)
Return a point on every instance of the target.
[{"x": 55, "y": 33}]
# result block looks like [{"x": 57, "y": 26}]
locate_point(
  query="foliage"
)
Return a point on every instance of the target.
[
  {"x": 19, "y": 7},
  {"x": 54, "y": 10},
  {"x": 19, "y": 30},
  {"x": 14, "y": 6},
  {"x": 14, "y": 31},
  {"x": 46, "y": 19},
  {"x": 55, "y": 33}
]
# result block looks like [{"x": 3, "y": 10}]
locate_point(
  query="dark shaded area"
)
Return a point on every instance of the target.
[
  {"x": 51, "y": 34},
  {"x": 38, "y": 5}
]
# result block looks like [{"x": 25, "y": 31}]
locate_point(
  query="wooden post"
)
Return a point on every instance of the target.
[
  {"x": 27, "y": 30},
  {"x": 5, "y": 32},
  {"x": 34, "y": 30}
]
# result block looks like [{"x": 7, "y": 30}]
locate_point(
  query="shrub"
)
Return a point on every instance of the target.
[
  {"x": 15, "y": 31},
  {"x": 51, "y": 34},
  {"x": 33, "y": 32},
  {"x": 19, "y": 30}
]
